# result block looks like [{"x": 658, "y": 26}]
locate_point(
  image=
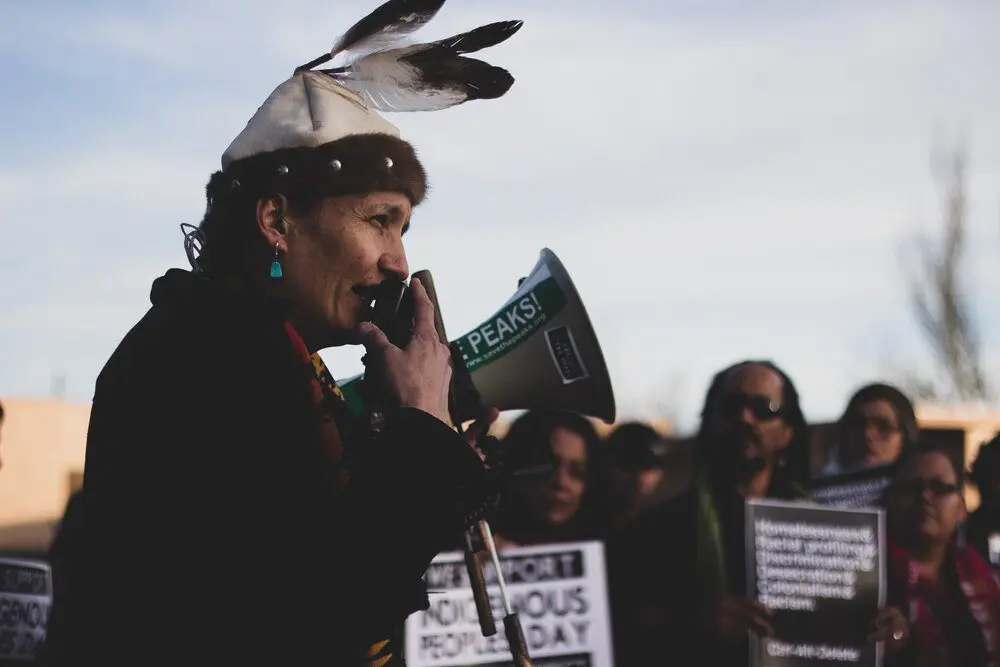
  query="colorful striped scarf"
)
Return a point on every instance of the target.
[
  {"x": 943, "y": 634},
  {"x": 329, "y": 404}
]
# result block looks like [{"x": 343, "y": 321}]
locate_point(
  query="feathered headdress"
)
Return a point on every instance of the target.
[
  {"x": 417, "y": 77},
  {"x": 336, "y": 111},
  {"x": 380, "y": 73}
]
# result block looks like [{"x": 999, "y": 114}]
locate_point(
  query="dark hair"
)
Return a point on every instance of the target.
[
  {"x": 304, "y": 177},
  {"x": 918, "y": 449},
  {"x": 986, "y": 466},
  {"x": 884, "y": 392},
  {"x": 796, "y": 465},
  {"x": 527, "y": 439},
  {"x": 631, "y": 444},
  {"x": 1, "y": 411}
]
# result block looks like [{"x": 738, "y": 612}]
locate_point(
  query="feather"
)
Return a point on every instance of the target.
[
  {"x": 387, "y": 25},
  {"x": 432, "y": 76},
  {"x": 479, "y": 38}
]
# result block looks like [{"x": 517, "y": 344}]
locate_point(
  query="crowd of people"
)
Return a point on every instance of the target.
[
  {"x": 235, "y": 511},
  {"x": 676, "y": 553}
]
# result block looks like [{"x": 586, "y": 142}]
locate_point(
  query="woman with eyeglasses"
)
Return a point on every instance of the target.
[
  {"x": 952, "y": 598},
  {"x": 878, "y": 423}
]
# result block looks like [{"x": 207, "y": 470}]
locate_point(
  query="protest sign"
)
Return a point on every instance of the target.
[
  {"x": 821, "y": 571},
  {"x": 25, "y": 597},
  {"x": 860, "y": 488},
  {"x": 559, "y": 592}
]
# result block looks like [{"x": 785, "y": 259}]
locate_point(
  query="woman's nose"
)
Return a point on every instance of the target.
[{"x": 393, "y": 263}]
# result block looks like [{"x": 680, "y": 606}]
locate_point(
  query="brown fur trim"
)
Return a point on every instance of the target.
[{"x": 364, "y": 167}]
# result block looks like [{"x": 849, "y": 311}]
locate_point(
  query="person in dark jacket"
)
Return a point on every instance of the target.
[
  {"x": 984, "y": 523},
  {"x": 234, "y": 511}
]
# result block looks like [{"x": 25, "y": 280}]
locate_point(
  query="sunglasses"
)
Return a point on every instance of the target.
[
  {"x": 763, "y": 408},
  {"x": 916, "y": 487}
]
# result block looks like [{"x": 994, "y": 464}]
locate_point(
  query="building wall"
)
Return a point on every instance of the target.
[{"x": 43, "y": 443}]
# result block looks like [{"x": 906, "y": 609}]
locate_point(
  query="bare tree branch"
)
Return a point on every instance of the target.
[{"x": 939, "y": 299}]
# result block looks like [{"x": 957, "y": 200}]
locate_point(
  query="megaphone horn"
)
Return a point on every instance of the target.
[{"x": 538, "y": 351}]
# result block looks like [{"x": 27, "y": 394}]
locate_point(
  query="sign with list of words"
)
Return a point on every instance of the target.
[
  {"x": 821, "y": 571},
  {"x": 559, "y": 592}
]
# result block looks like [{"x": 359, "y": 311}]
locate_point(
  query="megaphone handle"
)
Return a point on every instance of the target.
[
  {"x": 479, "y": 593},
  {"x": 511, "y": 622},
  {"x": 428, "y": 282}
]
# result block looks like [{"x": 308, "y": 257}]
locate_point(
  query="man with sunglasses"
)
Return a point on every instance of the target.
[{"x": 682, "y": 564}]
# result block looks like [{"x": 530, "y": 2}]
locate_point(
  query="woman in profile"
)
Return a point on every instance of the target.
[{"x": 233, "y": 511}]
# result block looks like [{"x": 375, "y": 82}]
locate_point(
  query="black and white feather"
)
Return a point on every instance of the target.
[{"x": 416, "y": 77}]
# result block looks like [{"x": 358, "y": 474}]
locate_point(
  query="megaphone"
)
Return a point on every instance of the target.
[{"x": 539, "y": 350}]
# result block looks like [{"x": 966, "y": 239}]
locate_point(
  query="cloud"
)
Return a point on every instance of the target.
[{"x": 719, "y": 183}]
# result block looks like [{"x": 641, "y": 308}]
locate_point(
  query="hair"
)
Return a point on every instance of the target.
[
  {"x": 884, "y": 392},
  {"x": 796, "y": 465},
  {"x": 630, "y": 444},
  {"x": 528, "y": 437},
  {"x": 986, "y": 466},
  {"x": 303, "y": 177},
  {"x": 918, "y": 449},
  {"x": 1, "y": 411}
]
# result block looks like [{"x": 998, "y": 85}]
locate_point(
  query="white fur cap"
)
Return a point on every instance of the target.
[{"x": 310, "y": 109}]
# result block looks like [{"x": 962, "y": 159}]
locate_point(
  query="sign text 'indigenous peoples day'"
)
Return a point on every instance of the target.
[{"x": 558, "y": 592}]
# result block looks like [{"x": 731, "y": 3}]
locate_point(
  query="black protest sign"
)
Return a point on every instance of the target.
[
  {"x": 25, "y": 597},
  {"x": 860, "y": 488},
  {"x": 821, "y": 571}
]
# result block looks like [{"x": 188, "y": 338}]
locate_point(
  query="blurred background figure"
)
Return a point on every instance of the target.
[
  {"x": 878, "y": 423},
  {"x": 677, "y": 572},
  {"x": 985, "y": 521},
  {"x": 637, "y": 455},
  {"x": 952, "y": 598},
  {"x": 565, "y": 503}
]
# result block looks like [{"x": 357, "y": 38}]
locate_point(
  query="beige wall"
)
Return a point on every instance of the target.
[{"x": 42, "y": 444}]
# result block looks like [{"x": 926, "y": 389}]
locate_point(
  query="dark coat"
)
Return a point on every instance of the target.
[{"x": 211, "y": 532}]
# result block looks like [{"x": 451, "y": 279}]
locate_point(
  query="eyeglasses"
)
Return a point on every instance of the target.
[
  {"x": 884, "y": 426},
  {"x": 916, "y": 487},
  {"x": 763, "y": 408}
]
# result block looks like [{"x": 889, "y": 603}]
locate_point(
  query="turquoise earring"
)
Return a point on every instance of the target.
[{"x": 276, "y": 271}]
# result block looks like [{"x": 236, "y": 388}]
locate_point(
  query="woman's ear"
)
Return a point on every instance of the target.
[{"x": 271, "y": 219}]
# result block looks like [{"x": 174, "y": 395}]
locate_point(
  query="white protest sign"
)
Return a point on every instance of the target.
[
  {"x": 25, "y": 597},
  {"x": 559, "y": 592}
]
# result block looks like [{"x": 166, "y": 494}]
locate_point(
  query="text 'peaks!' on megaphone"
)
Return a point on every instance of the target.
[{"x": 538, "y": 351}]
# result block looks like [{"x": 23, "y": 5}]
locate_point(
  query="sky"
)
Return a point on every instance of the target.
[{"x": 723, "y": 180}]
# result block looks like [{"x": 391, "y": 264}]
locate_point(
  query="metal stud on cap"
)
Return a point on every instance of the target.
[
  {"x": 283, "y": 169},
  {"x": 235, "y": 184},
  {"x": 388, "y": 162},
  {"x": 335, "y": 165}
]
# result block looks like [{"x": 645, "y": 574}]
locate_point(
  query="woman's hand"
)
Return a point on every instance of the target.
[
  {"x": 480, "y": 428},
  {"x": 420, "y": 375},
  {"x": 891, "y": 627}
]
